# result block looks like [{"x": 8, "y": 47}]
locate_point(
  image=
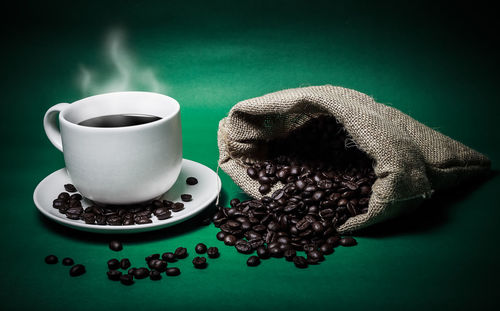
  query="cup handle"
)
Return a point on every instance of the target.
[{"x": 50, "y": 124}]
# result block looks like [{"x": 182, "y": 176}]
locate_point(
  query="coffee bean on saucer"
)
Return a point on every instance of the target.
[
  {"x": 177, "y": 207},
  {"x": 348, "y": 241},
  {"x": 63, "y": 196},
  {"x": 77, "y": 270},
  {"x": 253, "y": 261},
  {"x": 67, "y": 261},
  {"x": 125, "y": 263},
  {"x": 76, "y": 196},
  {"x": 200, "y": 262},
  {"x": 173, "y": 271},
  {"x": 155, "y": 275},
  {"x": 141, "y": 273},
  {"x": 51, "y": 259},
  {"x": 70, "y": 188},
  {"x": 115, "y": 245},
  {"x": 200, "y": 248},
  {"x": 186, "y": 197},
  {"x": 181, "y": 253},
  {"x": 162, "y": 213},
  {"x": 126, "y": 279},
  {"x": 169, "y": 257},
  {"x": 113, "y": 264},
  {"x": 114, "y": 275},
  {"x": 300, "y": 262},
  {"x": 58, "y": 203},
  {"x": 191, "y": 181},
  {"x": 213, "y": 252}
]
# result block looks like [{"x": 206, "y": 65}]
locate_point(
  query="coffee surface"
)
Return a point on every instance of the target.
[{"x": 119, "y": 120}]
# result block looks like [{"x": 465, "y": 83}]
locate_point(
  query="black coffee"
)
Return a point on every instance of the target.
[{"x": 119, "y": 120}]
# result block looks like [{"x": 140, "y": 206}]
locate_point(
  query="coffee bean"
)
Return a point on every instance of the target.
[
  {"x": 333, "y": 240},
  {"x": 200, "y": 262},
  {"x": 58, "y": 203},
  {"x": 300, "y": 262},
  {"x": 173, "y": 271},
  {"x": 186, "y": 197},
  {"x": 113, "y": 264},
  {"x": 230, "y": 240},
  {"x": 213, "y": 252},
  {"x": 253, "y": 261},
  {"x": 63, "y": 196},
  {"x": 275, "y": 252},
  {"x": 157, "y": 264},
  {"x": 76, "y": 196},
  {"x": 126, "y": 279},
  {"x": 263, "y": 252},
  {"x": 177, "y": 207},
  {"x": 70, "y": 188},
  {"x": 115, "y": 245},
  {"x": 125, "y": 263},
  {"x": 191, "y": 181},
  {"x": 181, "y": 253},
  {"x": 243, "y": 247},
  {"x": 67, "y": 261},
  {"x": 78, "y": 269},
  {"x": 252, "y": 173},
  {"x": 155, "y": 275},
  {"x": 326, "y": 248},
  {"x": 234, "y": 202},
  {"x": 290, "y": 254},
  {"x": 152, "y": 257},
  {"x": 200, "y": 248},
  {"x": 264, "y": 189},
  {"x": 131, "y": 271},
  {"x": 169, "y": 257},
  {"x": 348, "y": 241},
  {"x": 51, "y": 259},
  {"x": 114, "y": 275},
  {"x": 315, "y": 255},
  {"x": 141, "y": 273}
]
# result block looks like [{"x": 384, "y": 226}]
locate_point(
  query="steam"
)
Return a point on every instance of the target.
[{"x": 125, "y": 76}]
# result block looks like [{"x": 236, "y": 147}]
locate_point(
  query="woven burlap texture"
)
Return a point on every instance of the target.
[{"x": 411, "y": 160}]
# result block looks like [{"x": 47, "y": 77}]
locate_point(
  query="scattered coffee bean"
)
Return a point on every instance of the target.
[
  {"x": 67, "y": 261},
  {"x": 115, "y": 245},
  {"x": 125, "y": 263},
  {"x": 70, "y": 188},
  {"x": 51, "y": 259},
  {"x": 113, "y": 264},
  {"x": 173, "y": 271},
  {"x": 181, "y": 253},
  {"x": 230, "y": 240},
  {"x": 200, "y": 248},
  {"x": 155, "y": 275},
  {"x": 114, "y": 275},
  {"x": 131, "y": 271},
  {"x": 290, "y": 254},
  {"x": 151, "y": 257},
  {"x": 200, "y": 262},
  {"x": 126, "y": 279},
  {"x": 263, "y": 252},
  {"x": 326, "y": 249},
  {"x": 177, "y": 207},
  {"x": 186, "y": 197},
  {"x": 348, "y": 241},
  {"x": 191, "y": 181},
  {"x": 213, "y": 252},
  {"x": 253, "y": 261},
  {"x": 78, "y": 269},
  {"x": 300, "y": 262},
  {"x": 141, "y": 273},
  {"x": 169, "y": 257},
  {"x": 221, "y": 235},
  {"x": 76, "y": 196}
]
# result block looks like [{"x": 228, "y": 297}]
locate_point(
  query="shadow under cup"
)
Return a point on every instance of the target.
[{"x": 127, "y": 164}]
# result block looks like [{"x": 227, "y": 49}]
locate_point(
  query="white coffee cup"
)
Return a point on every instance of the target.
[{"x": 119, "y": 165}]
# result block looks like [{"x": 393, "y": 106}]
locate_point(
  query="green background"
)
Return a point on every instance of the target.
[{"x": 435, "y": 61}]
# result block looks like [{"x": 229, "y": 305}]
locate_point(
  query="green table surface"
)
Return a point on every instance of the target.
[{"x": 434, "y": 61}]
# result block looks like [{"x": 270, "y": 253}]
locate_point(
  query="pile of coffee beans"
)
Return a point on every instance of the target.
[
  {"x": 75, "y": 270},
  {"x": 325, "y": 181},
  {"x": 71, "y": 206}
]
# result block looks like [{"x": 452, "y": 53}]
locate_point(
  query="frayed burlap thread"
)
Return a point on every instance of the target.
[{"x": 410, "y": 160}]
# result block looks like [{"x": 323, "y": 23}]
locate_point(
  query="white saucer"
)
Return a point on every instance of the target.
[{"x": 204, "y": 193}]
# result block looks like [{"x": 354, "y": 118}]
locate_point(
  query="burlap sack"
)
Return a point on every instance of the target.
[{"x": 411, "y": 160}]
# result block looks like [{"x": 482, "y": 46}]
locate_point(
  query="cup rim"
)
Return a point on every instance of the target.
[{"x": 62, "y": 118}]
